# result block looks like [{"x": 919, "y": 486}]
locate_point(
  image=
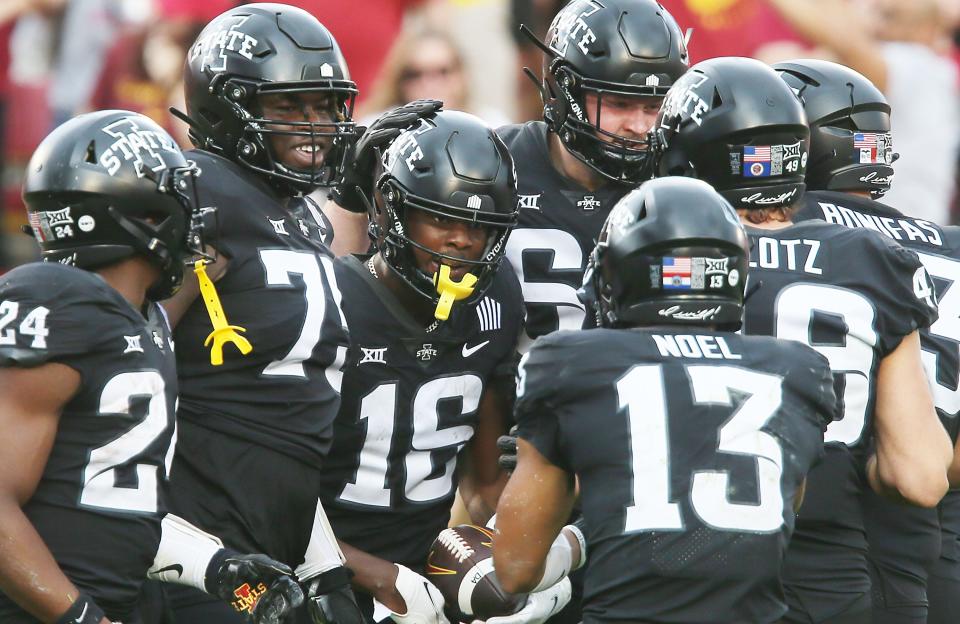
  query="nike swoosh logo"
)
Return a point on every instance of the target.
[
  {"x": 468, "y": 351},
  {"x": 175, "y": 568},
  {"x": 554, "y": 605},
  {"x": 82, "y": 614}
]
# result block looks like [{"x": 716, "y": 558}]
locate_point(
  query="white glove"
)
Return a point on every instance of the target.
[
  {"x": 540, "y": 606},
  {"x": 424, "y": 601}
]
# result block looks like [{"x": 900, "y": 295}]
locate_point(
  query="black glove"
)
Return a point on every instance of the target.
[
  {"x": 330, "y": 599},
  {"x": 358, "y": 168},
  {"x": 508, "y": 450},
  {"x": 269, "y": 582}
]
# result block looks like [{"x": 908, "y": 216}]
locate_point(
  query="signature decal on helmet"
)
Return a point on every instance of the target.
[
  {"x": 132, "y": 143},
  {"x": 676, "y": 312},
  {"x": 875, "y": 178},
  {"x": 761, "y": 199},
  {"x": 229, "y": 38}
]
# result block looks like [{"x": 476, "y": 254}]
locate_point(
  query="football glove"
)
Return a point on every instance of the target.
[
  {"x": 540, "y": 606},
  {"x": 279, "y": 594},
  {"x": 424, "y": 601},
  {"x": 330, "y": 599},
  {"x": 508, "y": 450},
  {"x": 356, "y": 191}
]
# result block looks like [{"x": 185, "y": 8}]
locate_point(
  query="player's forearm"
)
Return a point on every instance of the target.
[
  {"x": 566, "y": 554},
  {"x": 532, "y": 511},
  {"x": 913, "y": 451},
  {"x": 349, "y": 229},
  {"x": 28, "y": 572},
  {"x": 374, "y": 576},
  {"x": 480, "y": 499},
  {"x": 917, "y": 475},
  {"x": 914, "y": 471},
  {"x": 482, "y": 479}
]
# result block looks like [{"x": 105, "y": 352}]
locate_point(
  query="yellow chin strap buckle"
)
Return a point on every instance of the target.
[
  {"x": 451, "y": 291},
  {"x": 222, "y": 332}
]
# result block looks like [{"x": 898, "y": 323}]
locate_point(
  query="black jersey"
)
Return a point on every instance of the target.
[
  {"x": 939, "y": 250},
  {"x": 410, "y": 404},
  {"x": 100, "y": 499},
  {"x": 852, "y": 295},
  {"x": 689, "y": 449},
  {"x": 558, "y": 225},
  {"x": 279, "y": 286},
  {"x": 905, "y": 541}
]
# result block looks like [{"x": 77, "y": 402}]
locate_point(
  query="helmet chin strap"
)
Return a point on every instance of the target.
[{"x": 451, "y": 291}]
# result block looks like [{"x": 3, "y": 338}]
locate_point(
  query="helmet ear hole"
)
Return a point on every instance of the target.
[
  {"x": 90, "y": 156},
  {"x": 717, "y": 98}
]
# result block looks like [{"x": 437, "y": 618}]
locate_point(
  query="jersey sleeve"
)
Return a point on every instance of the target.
[
  {"x": 814, "y": 381},
  {"x": 45, "y": 316},
  {"x": 810, "y": 405},
  {"x": 904, "y": 293},
  {"x": 538, "y": 389}
]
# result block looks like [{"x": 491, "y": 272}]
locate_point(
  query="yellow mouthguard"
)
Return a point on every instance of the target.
[
  {"x": 451, "y": 291},
  {"x": 222, "y": 332}
]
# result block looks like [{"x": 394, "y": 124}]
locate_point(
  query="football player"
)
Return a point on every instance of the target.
[
  {"x": 88, "y": 387},
  {"x": 434, "y": 321},
  {"x": 690, "y": 443},
  {"x": 851, "y": 154},
  {"x": 607, "y": 67},
  {"x": 269, "y": 100},
  {"x": 854, "y": 295}
]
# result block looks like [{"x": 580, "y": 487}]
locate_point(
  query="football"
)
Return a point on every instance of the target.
[{"x": 460, "y": 564}]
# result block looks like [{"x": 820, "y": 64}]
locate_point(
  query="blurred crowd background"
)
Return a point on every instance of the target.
[{"x": 59, "y": 58}]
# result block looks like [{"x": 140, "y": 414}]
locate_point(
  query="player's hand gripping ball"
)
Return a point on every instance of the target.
[{"x": 460, "y": 565}]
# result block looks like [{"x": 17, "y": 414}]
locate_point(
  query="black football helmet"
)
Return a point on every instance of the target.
[
  {"x": 608, "y": 47},
  {"x": 733, "y": 122},
  {"x": 850, "y": 143},
  {"x": 672, "y": 251},
  {"x": 259, "y": 49},
  {"x": 453, "y": 165},
  {"x": 112, "y": 184}
]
